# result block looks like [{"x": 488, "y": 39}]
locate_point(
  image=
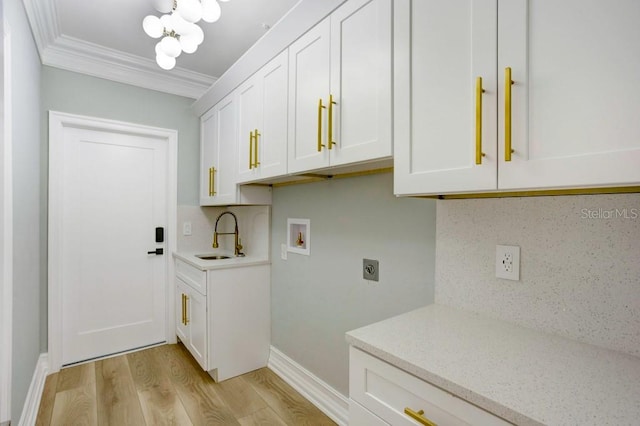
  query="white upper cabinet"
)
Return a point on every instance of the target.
[
  {"x": 309, "y": 85},
  {"x": 573, "y": 104},
  {"x": 575, "y": 98},
  {"x": 441, "y": 48},
  {"x": 340, "y": 88},
  {"x": 262, "y": 120},
  {"x": 219, "y": 134}
]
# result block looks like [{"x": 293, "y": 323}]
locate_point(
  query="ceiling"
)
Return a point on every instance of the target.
[{"x": 106, "y": 39}]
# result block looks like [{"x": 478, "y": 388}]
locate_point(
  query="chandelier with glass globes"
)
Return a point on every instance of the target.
[{"x": 177, "y": 28}]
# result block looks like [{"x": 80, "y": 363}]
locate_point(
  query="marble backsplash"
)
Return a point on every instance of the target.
[{"x": 579, "y": 264}]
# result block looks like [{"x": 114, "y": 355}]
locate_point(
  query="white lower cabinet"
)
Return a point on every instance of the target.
[
  {"x": 383, "y": 394},
  {"x": 225, "y": 324},
  {"x": 239, "y": 320},
  {"x": 191, "y": 310}
]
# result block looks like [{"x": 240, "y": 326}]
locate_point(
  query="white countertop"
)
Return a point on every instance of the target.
[
  {"x": 232, "y": 262},
  {"x": 523, "y": 375}
]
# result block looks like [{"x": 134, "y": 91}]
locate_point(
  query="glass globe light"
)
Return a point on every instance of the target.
[
  {"x": 188, "y": 44},
  {"x": 159, "y": 48},
  {"x": 152, "y": 26},
  {"x": 167, "y": 22},
  {"x": 197, "y": 34},
  {"x": 190, "y": 10},
  {"x": 224, "y": 1},
  {"x": 170, "y": 46},
  {"x": 178, "y": 23},
  {"x": 165, "y": 62},
  {"x": 163, "y": 6},
  {"x": 210, "y": 11}
]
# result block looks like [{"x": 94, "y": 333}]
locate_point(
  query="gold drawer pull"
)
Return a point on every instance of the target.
[{"x": 419, "y": 417}]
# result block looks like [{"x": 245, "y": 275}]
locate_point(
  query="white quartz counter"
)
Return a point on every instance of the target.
[
  {"x": 523, "y": 375},
  {"x": 232, "y": 262}
]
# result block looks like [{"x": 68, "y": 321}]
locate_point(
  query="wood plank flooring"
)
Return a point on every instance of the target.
[{"x": 165, "y": 386}]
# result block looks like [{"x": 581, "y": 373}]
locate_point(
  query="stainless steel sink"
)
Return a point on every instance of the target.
[{"x": 212, "y": 256}]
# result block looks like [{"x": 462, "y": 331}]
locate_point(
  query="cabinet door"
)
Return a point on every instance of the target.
[
  {"x": 272, "y": 138},
  {"x": 207, "y": 157},
  {"x": 217, "y": 154},
  {"x": 249, "y": 120},
  {"x": 224, "y": 141},
  {"x": 309, "y": 70},
  {"x": 361, "y": 61},
  {"x": 575, "y": 98},
  {"x": 196, "y": 316},
  {"x": 441, "y": 48},
  {"x": 182, "y": 329}
]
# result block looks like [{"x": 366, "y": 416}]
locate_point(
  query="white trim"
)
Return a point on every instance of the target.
[
  {"x": 327, "y": 399},
  {"x": 88, "y": 58},
  {"x": 34, "y": 395},
  {"x": 57, "y": 122},
  {"x": 44, "y": 22},
  {"x": 6, "y": 233},
  {"x": 69, "y": 53}
]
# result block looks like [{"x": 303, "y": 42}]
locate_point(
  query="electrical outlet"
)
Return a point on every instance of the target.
[
  {"x": 370, "y": 269},
  {"x": 283, "y": 251},
  {"x": 508, "y": 262},
  {"x": 186, "y": 228}
]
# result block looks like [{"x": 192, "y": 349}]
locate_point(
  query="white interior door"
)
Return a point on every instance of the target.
[{"x": 112, "y": 196}]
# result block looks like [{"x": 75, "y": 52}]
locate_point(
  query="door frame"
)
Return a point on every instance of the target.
[
  {"x": 58, "y": 121},
  {"x": 6, "y": 226}
]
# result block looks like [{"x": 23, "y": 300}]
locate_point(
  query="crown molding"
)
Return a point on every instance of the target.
[
  {"x": 88, "y": 58},
  {"x": 43, "y": 18},
  {"x": 72, "y": 54}
]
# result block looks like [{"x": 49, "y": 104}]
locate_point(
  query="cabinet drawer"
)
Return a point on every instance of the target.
[
  {"x": 193, "y": 276},
  {"x": 360, "y": 416},
  {"x": 386, "y": 391}
]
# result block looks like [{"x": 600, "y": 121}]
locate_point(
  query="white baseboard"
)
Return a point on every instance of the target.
[
  {"x": 32, "y": 403},
  {"x": 327, "y": 399}
]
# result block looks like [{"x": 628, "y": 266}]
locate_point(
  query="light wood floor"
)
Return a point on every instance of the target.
[{"x": 165, "y": 386}]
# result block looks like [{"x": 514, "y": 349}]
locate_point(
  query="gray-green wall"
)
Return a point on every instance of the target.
[
  {"x": 317, "y": 298},
  {"x": 28, "y": 236},
  {"x": 74, "y": 93}
]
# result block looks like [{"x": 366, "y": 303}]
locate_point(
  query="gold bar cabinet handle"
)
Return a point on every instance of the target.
[
  {"x": 186, "y": 311},
  {"x": 256, "y": 163},
  {"x": 507, "y": 114},
  {"x": 320, "y": 108},
  {"x": 419, "y": 417},
  {"x": 250, "y": 150},
  {"x": 182, "y": 308},
  {"x": 210, "y": 181},
  {"x": 330, "y": 141},
  {"x": 479, "y": 92},
  {"x": 213, "y": 181}
]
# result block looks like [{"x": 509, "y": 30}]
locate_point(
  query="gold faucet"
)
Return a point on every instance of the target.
[{"x": 237, "y": 244}]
